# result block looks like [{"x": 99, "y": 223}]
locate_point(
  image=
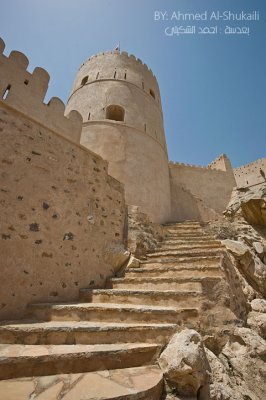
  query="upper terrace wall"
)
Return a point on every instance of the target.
[
  {"x": 211, "y": 189},
  {"x": 60, "y": 210},
  {"x": 251, "y": 174}
]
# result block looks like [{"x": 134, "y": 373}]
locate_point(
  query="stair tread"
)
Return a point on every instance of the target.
[
  {"x": 111, "y": 306},
  {"x": 127, "y": 383},
  {"x": 12, "y": 351},
  {"x": 138, "y": 291},
  {"x": 183, "y": 259},
  {"x": 162, "y": 268},
  {"x": 188, "y": 249},
  {"x": 161, "y": 279},
  {"x": 195, "y": 244},
  {"x": 76, "y": 325},
  {"x": 190, "y": 242}
]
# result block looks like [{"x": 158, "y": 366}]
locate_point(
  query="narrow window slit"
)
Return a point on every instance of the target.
[
  {"x": 115, "y": 74},
  {"x": 152, "y": 93},
  {"x": 84, "y": 80},
  {"x": 6, "y": 92}
]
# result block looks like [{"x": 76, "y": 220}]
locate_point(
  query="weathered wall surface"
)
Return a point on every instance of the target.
[
  {"x": 199, "y": 193},
  {"x": 251, "y": 174},
  {"x": 186, "y": 206},
  {"x": 60, "y": 209},
  {"x": 135, "y": 147},
  {"x": 139, "y": 163}
]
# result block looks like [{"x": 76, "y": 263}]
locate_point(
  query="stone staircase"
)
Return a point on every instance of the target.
[{"x": 105, "y": 346}]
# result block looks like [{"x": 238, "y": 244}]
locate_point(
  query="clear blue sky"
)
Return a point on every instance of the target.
[{"x": 213, "y": 88}]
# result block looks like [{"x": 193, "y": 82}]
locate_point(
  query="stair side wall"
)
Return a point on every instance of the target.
[{"x": 199, "y": 193}]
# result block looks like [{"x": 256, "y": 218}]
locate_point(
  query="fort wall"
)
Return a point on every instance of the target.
[
  {"x": 199, "y": 193},
  {"x": 251, "y": 174},
  {"x": 60, "y": 210}
]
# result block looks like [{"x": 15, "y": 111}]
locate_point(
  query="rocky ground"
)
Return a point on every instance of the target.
[
  {"x": 238, "y": 370},
  {"x": 235, "y": 370}
]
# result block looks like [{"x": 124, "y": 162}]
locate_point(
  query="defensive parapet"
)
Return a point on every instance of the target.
[
  {"x": 251, "y": 174},
  {"x": 192, "y": 166},
  {"x": 25, "y": 92},
  {"x": 145, "y": 80}
]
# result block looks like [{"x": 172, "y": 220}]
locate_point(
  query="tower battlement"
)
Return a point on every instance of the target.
[
  {"x": 121, "y": 67},
  {"x": 123, "y": 54}
]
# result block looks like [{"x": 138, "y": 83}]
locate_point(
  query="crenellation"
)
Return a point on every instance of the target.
[
  {"x": 123, "y": 54},
  {"x": 179, "y": 164},
  {"x": 132, "y": 57},
  {"x": 2, "y": 45},
  {"x": 251, "y": 174},
  {"x": 136, "y": 72},
  {"x": 40, "y": 80},
  {"x": 25, "y": 93},
  {"x": 19, "y": 59}
]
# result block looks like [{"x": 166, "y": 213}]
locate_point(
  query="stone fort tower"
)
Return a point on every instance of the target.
[{"x": 119, "y": 100}]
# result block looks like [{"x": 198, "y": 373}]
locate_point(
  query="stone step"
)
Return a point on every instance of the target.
[
  {"x": 156, "y": 283},
  {"x": 186, "y": 223},
  {"x": 190, "y": 241},
  {"x": 186, "y": 230},
  {"x": 165, "y": 271},
  {"x": 82, "y": 332},
  {"x": 183, "y": 226},
  {"x": 186, "y": 234},
  {"x": 19, "y": 360},
  {"x": 146, "y": 297},
  {"x": 170, "y": 254},
  {"x": 187, "y": 249},
  {"x": 189, "y": 262},
  {"x": 140, "y": 383},
  {"x": 110, "y": 312},
  {"x": 188, "y": 246}
]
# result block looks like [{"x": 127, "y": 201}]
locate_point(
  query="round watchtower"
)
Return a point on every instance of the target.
[{"x": 119, "y": 99}]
